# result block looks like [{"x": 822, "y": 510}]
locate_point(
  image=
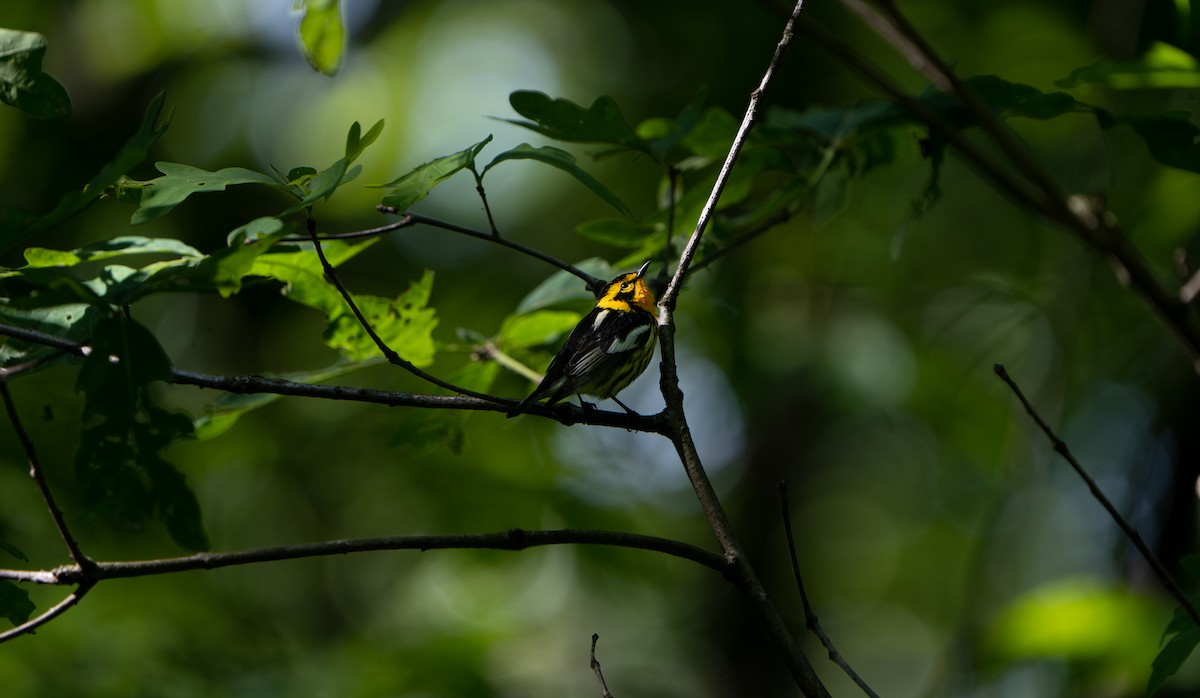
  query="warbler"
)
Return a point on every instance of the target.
[{"x": 609, "y": 347}]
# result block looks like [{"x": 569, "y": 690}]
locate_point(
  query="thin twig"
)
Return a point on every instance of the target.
[
  {"x": 595, "y": 665},
  {"x": 1061, "y": 448},
  {"x": 563, "y": 412},
  {"x": 48, "y": 615},
  {"x": 678, "y": 431},
  {"x": 388, "y": 352},
  {"x": 512, "y": 540},
  {"x": 593, "y": 284},
  {"x": 810, "y": 616},
  {"x": 670, "y": 296},
  {"x": 39, "y": 478},
  {"x": 483, "y": 197}
]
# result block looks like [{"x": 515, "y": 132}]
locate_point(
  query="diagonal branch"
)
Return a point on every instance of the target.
[
  {"x": 39, "y": 478},
  {"x": 48, "y": 615},
  {"x": 1085, "y": 218},
  {"x": 388, "y": 352},
  {"x": 810, "y": 616},
  {"x": 1061, "y": 448},
  {"x": 678, "y": 431},
  {"x": 410, "y": 218}
]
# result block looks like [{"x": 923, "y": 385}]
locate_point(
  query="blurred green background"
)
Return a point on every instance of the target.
[{"x": 946, "y": 549}]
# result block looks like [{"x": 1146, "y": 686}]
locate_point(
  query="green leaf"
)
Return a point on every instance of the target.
[
  {"x": 118, "y": 465},
  {"x": 17, "y": 226},
  {"x": 535, "y": 329},
  {"x": 1175, "y": 652},
  {"x": 564, "y": 161},
  {"x": 220, "y": 416},
  {"x": 71, "y": 322},
  {"x": 124, "y": 246},
  {"x": 322, "y": 35},
  {"x": 713, "y": 135},
  {"x": 159, "y": 196},
  {"x": 14, "y": 603},
  {"x": 22, "y": 83},
  {"x": 405, "y": 325},
  {"x": 564, "y": 120},
  {"x": 1172, "y": 137},
  {"x": 565, "y": 288},
  {"x": 299, "y": 268},
  {"x": 410, "y": 188},
  {"x": 175, "y": 504},
  {"x": 1163, "y": 66},
  {"x": 328, "y": 180},
  {"x": 617, "y": 231}
]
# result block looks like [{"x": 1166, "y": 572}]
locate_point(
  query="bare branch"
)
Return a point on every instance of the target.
[
  {"x": 678, "y": 431},
  {"x": 512, "y": 540},
  {"x": 593, "y": 284},
  {"x": 50, "y": 614},
  {"x": 595, "y": 665},
  {"x": 392, "y": 356},
  {"x": 667, "y": 302},
  {"x": 1061, "y": 448},
  {"x": 810, "y": 616},
  {"x": 39, "y": 478}
]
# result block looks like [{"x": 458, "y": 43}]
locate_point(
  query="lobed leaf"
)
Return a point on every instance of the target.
[
  {"x": 118, "y": 464},
  {"x": 160, "y": 196},
  {"x": 415, "y": 185},
  {"x": 324, "y": 183},
  {"x": 405, "y": 325}
]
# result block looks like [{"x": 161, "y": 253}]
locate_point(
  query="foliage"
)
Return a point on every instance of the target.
[{"x": 888, "y": 336}]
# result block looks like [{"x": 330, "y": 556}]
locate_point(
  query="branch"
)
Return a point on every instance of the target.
[
  {"x": 810, "y": 617},
  {"x": 1088, "y": 220},
  {"x": 595, "y": 665},
  {"x": 387, "y": 351},
  {"x": 512, "y": 540},
  {"x": 35, "y": 472},
  {"x": 564, "y": 413},
  {"x": 50, "y": 614},
  {"x": 1061, "y": 448},
  {"x": 593, "y": 284},
  {"x": 678, "y": 431}
]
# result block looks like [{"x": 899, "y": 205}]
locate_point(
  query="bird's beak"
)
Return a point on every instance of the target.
[{"x": 642, "y": 271}]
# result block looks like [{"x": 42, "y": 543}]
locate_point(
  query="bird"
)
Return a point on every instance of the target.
[{"x": 607, "y": 350}]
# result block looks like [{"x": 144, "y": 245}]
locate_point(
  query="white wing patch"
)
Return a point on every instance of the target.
[
  {"x": 629, "y": 341},
  {"x": 599, "y": 320}
]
